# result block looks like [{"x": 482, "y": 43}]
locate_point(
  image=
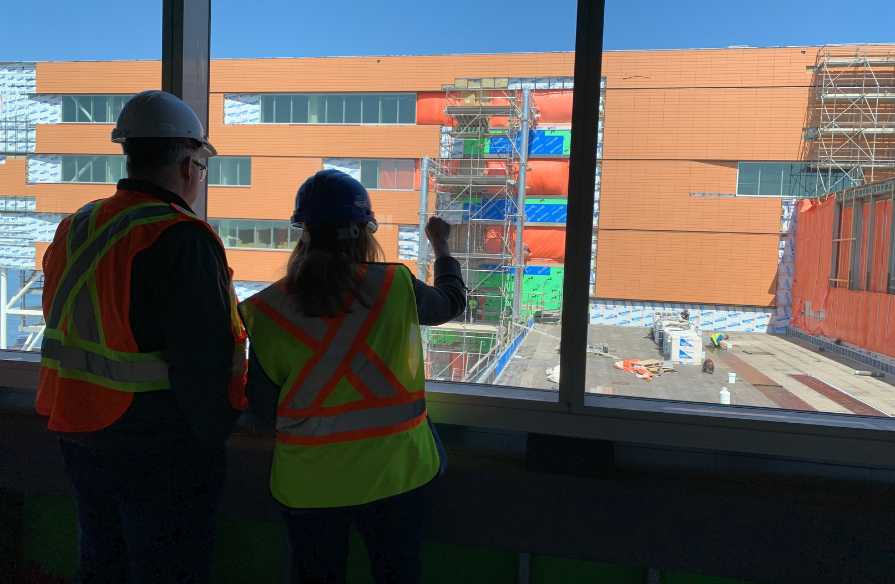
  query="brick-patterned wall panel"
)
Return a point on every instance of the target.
[
  {"x": 76, "y": 139},
  {"x": 257, "y": 265},
  {"x": 701, "y": 268},
  {"x": 655, "y": 194},
  {"x": 275, "y": 181},
  {"x": 410, "y": 73},
  {"x": 705, "y": 124},
  {"x": 99, "y": 77}
]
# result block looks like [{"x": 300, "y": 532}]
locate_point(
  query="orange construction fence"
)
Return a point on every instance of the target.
[{"x": 863, "y": 316}]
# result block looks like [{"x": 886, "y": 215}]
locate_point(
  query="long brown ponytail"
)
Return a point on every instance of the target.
[{"x": 319, "y": 273}]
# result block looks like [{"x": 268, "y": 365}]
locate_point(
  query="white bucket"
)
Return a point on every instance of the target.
[
  {"x": 724, "y": 396},
  {"x": 731, "y": 377}
]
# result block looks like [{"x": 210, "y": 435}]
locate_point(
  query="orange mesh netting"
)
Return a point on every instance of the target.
[
  {"x": 430, "y": 108},
  {"x": 548, "y": 177},
  {"x": 547, "y": 244},
  {"x": 865, "y": 316}
]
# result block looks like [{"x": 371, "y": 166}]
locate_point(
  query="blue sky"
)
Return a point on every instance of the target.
[{"x": 59, "y": 30}]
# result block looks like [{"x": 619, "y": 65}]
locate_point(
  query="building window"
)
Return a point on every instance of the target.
[
  {"x": 388, "y": 174},
  {"x": 229, "y": 171},
  {"x": 256, "y": 233},
  {"x": 787, "y": 179},
  {"x": 350, "y": 108},
  {"x": 93, "y": 169},
  {"x": 101, "y": 109}
]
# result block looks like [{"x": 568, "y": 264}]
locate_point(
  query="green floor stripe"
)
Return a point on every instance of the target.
[
  {"x": 248, "y": 551},
  {"x": 684, "y": 578},
  {"x": 549, "y": 569},
  {"x": 49, "y": 534}
]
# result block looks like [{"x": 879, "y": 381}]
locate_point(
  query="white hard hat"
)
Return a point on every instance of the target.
[{"x": 158, "y": 114}]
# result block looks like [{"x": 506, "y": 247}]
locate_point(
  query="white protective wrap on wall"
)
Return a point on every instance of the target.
[
  {"x": 44, "y": 168},
  {"x": 242, "y": 108}
]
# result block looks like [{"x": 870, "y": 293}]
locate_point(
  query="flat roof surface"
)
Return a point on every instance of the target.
[
  {"x": 774, "y": 371},
  {"x": 471, "y": 328}
]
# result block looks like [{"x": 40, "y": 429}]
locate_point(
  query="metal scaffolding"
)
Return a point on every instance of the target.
[
  {"x": 852, "y": 131},
  {"x": 32, "y": 322},
  {"x": 478, "y": 186}
]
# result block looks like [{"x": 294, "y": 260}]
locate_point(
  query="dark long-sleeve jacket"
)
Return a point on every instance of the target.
[
  {"x": 180, "y": 303},
  {"x": 435, "y": 305}
]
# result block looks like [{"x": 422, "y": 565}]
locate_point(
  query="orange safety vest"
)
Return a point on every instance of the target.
[
  {"x": 351, "y": 422},
  {"x": 91, "y": 365}
]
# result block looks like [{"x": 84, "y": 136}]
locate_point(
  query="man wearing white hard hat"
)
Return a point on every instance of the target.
[{"x": 144, "y": 358}]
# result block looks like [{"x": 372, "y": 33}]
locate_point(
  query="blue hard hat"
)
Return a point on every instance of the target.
[{"x": 331, "y": 195}]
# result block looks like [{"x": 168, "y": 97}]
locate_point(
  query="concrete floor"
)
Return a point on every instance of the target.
[{"x": 764, "y": 365}]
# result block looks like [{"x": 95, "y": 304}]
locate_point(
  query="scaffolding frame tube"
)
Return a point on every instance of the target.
[{"x": 520, "y": 208}]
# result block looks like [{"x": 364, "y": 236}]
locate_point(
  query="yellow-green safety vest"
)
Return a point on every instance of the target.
[{"x": 351, "y": 420}]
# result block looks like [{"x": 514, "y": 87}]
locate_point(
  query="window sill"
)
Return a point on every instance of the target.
[
  {"x": 289, "y": 250},
  {"x": 813, "y": 436},
  {"x": 321, "y": 124},
  {"x": 230, "y": 186},
  {"x": 817, "y": 436}
]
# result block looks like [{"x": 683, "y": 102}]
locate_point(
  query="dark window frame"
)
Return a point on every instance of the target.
[
  {"x": 215, "y": 168},
  {"x": 817, "y": 436},
  {"x": 83, "y": 163},
  {"x": 272, "y": 102},
  {"x": 82, "y": 107}
]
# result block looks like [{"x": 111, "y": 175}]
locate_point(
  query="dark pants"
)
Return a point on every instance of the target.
[
  {"x": 146, "y": 517},
  {"x": 391, "y": 530}
]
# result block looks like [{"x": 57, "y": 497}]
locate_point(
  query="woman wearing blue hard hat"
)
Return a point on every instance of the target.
[{"x": 336, "y": 363}]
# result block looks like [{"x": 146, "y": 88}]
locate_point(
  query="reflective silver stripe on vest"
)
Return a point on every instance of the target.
[
  {"x": 239, "y": 357},
  {"x": 89, "y": 255},
  {"x": 352, "y": 421},
  {"x": 284, "y": 304},
  {"x": 84, "y": 315},
  {"x": 80, "y": 225},
  {"x": 372, "y": 377},
  {"x": 337, "y": 350},
  {"x": 89, "y": 362}
]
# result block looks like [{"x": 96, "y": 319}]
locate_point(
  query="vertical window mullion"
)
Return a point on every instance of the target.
[{"x": 579, "y": 226}]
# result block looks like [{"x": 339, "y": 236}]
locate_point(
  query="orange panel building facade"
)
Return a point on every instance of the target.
[{"x": 684, "y": 132}]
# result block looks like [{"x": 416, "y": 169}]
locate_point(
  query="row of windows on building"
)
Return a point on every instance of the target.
[
  {"x": 280, "y": 235},
  {"x": 788, "y": 179},
  {"x": 222, "y": 170},
  {"x": 384, "y": 174},
  {"x": 256, "y": 234},
  {"x": 769, "y": 179},
  {"x": 303, "y": 108}
]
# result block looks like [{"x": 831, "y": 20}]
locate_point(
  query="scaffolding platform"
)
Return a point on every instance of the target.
[
  {"x": 851, "y": 139},
  {"x": 479, "y": 192}
]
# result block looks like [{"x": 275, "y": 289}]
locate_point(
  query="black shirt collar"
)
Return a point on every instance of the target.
[{"x": 150, "y": 188}]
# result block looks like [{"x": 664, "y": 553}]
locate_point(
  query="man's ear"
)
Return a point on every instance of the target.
[{"x": 186, "y": 169}]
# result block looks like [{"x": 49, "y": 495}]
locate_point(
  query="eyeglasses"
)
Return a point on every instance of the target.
[{"x": 202, "y": 168}]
